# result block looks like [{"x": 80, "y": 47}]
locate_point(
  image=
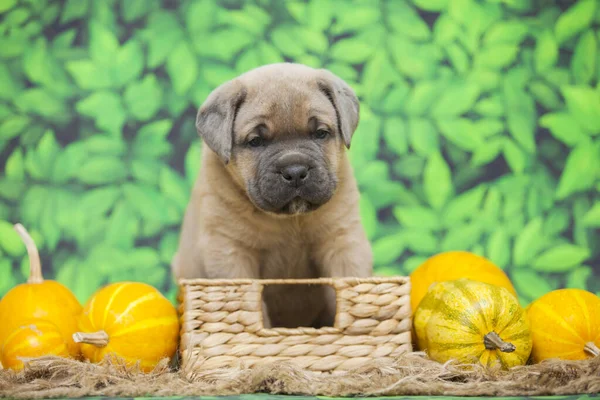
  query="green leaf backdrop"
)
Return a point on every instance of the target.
[{"x": 480, "y": 127}]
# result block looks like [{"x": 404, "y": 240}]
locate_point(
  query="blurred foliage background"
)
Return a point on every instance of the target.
[{"x": 479, "y": 127}]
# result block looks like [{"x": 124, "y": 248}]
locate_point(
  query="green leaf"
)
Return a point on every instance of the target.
[
  {"x": 423, "y": 60},
  {"x": 396, "y": 135},
  {"x": 10, "y": 242},
  {"x": 352, "y": 51},
  {"x": 421, "y": 97},
  {"x": 437, "y": 181},
  {"x": 529, "y": 242},
  {"x": 458, "y": 57},
  {"x": 417, "y": 217},
  {"x": 558, "y": 220},
  {"x": 100, "y": 170},
  {"x": 461, "y": 132},
  {"x": 487, "y": 152},
  {"x": 431, "y": 5},
  {"x": 462, "y": 237},
  {"x": 105, "y": 108},
  {"x": 88, "y": 75},
  {"x": 129, "y": 63},
  {"x": 368, "y": 216},
  {"x": 530, "y": 283},
  {"x": 560, "y": 258},
  {"x": 146, "y": 170},
  {"x": 579, "y": 277},
  {"x": 174, "y": 187},
  {"x": 100, "y": 144},
  {"x": 144, "y": 98},
  {"x": 563, "y": 127},
  {"x": 506, "y": 31},
  {"x": 546, "y": 51},
  {"x": 498, "y": 248},
  {"x": 395, "y": 99},
  {"x": 151, "y": 141},
  {"x": 42, "y": 102},
  {"x": 403, "y": 19},
  {"x": 168, "y": 247},
  {"x": 388, "y": 249},
  {"x": 74, "y": 9},
  {"x": 420, "y": 241},
  {"x": 456, "y": 99},
  {"x": 497, "y": 56},
  {"x": 6, "y": 5},
  {"x": 182, "y": 68},
  {"x": 103, "y": 44},
  {"x": 200, "y": 16},
  {"x": 423, "y": 136},
  {"x": 515, "y": 156},
  {"x": 148, "y": 203},
  {"x": 354, "y": 18},
  {"x": 14, "y": 166},
  {"x": 163, "y": 33},
  {"x": 192, "y": 162},
  {"x": 7, "y": 279},
  {"x": 592, "y": 217},
  {"x": 446, "y": 30},
  {"x": 492, "y": 106},
  {"x": 464, "y": 206},
  {"x": 285, "y": 38},
  {"x": 580, "y": 171},
  {"x": 583, "y": 62},
  {"x": 13, "y": 126},
  {"x": 123, "y": 226},
  {"x": 545, "y": 95},
  {"x": 521, "y": 116},
  {"x": 224, "y": 44},
  {"x": 97, "y": 202},
  {"x": 132, "y": 10},
  {"x": 583, "y": 103},
  {"x": 576, "y": 19}
]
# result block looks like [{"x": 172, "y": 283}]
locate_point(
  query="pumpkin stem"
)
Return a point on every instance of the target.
[
  {"x": 98, "y": 339},
  {"x": 592, "y": 349},
  {"x": 492, "y": 341},
  {"x": 35, "y": 266}
]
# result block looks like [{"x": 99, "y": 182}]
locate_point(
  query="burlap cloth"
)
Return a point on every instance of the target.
[{"x": 412, "y": 374}]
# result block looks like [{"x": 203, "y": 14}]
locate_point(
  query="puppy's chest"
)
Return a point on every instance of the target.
[{"x": 288, "y": 259}]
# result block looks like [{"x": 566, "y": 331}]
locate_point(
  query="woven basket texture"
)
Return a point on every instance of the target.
[{"x": 222, "y": 325}]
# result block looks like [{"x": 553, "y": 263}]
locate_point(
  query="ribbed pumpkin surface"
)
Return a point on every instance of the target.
[
  {"x": 565, "y": 324},
  {"x": 33, "y": 338},
  {"x": 140, "y": 323},
  {"x": 39, "y": 299},
  {"x": 470, "y": 313},
  {"x": 453, "y": 265}
]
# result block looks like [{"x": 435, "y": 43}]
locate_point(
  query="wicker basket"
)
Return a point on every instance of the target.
[{"x": 221, "y": 325}]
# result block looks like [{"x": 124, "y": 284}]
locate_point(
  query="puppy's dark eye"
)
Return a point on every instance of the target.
[
  {"x": 321, "y": 134},
  {"x": 257, "y": 141}
]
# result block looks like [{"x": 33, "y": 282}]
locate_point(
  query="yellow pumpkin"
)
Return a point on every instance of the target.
[
  {"x": 453, "y": 265},
  {"x": 34, "y": 338},
  {"x": 130, "y": 320},
  {"x": 39, "y": 299},
  {"x": 565, "y": 324},
  {"x": 425, "y": 309},
  {"x": 475, "y": 322}
]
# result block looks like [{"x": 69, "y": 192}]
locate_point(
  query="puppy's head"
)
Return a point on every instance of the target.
[{"x": 281, "y": 131}]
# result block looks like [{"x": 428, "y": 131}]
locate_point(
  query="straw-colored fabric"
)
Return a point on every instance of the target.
[
  {"x": 410, "y": 374},
  {"x": 222, "y": 326}
]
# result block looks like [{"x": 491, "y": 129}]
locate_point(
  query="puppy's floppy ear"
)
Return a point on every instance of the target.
[
  {"x": 215, "y": 118},
  {"x": 344, "y": 101}
]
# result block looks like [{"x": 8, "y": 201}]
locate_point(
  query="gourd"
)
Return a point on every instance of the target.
[
  {"x": 39, "y": 299},
  {"x": 130, "y": 320},
  {"x": 34, "y": 338},
  {"x": 565, "y": 324},
  {"x": 453, "y": 265},
  {"x": 475, "y": 322},
  {"x": 425, "y": 309}
]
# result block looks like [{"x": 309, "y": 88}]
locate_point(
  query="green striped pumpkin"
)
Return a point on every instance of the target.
[{"x": 473, "y": 322}]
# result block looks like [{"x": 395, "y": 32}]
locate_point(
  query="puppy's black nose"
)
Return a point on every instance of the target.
[{"x": 294, "y": 174}]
